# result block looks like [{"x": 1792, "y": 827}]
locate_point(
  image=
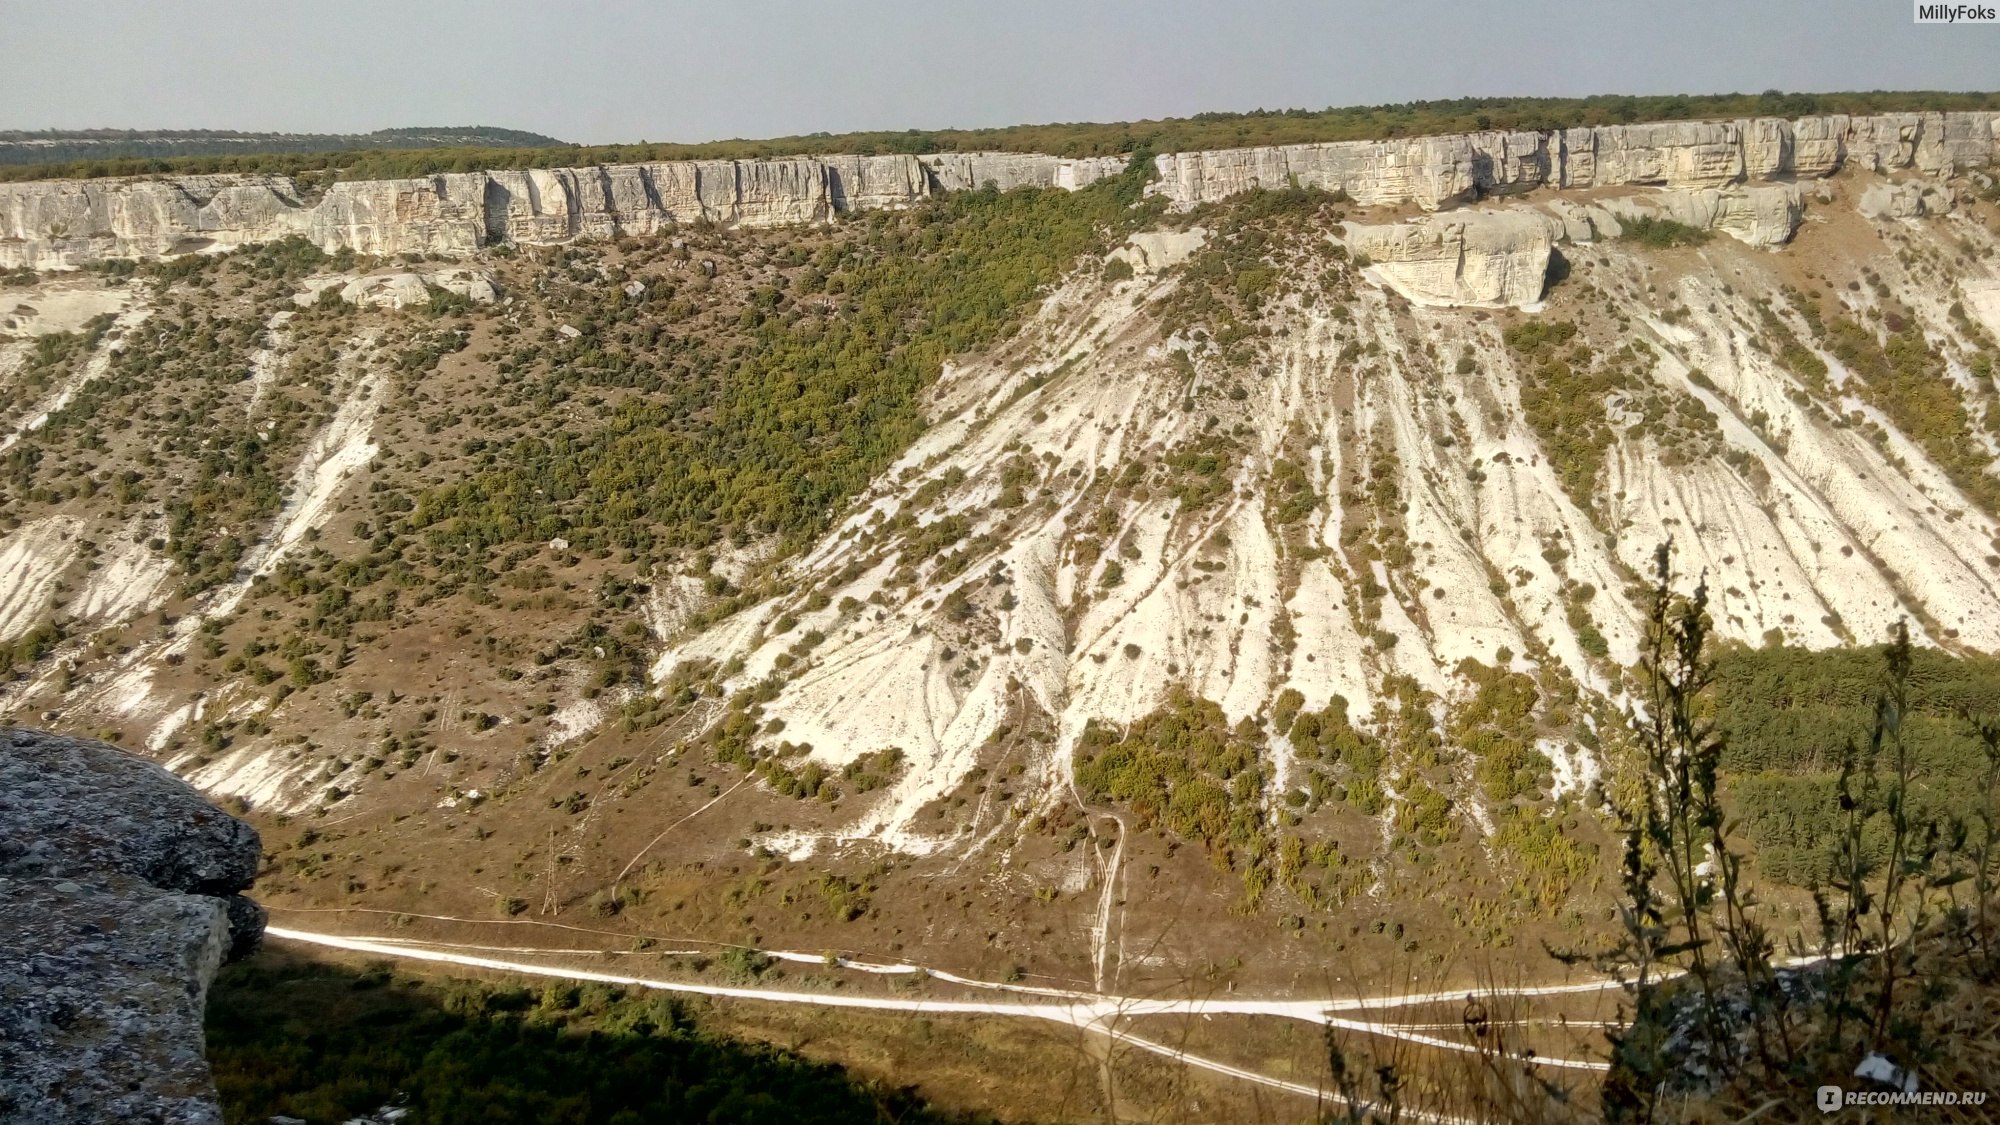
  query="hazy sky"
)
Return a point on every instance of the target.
[{"x": 599, "y": 71}]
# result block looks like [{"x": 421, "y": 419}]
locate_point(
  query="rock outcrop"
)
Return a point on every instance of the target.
[
  {"x": 396, "y": 289},
  {"x": 62, "y": 224},
  {"x": 122, "y": 887},
  {"x": 1496, "y": 258},
  {"x": 1435, "y": 172},
  {"x": 1765, "y": 215},
  {"x": 1903, "y": 201},
  {"x": 1155, "y": 250},
  {"x": 1477, "y": 258}
]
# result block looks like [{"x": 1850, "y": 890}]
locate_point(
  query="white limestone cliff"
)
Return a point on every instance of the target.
[
  {"x": 1435, "y": 172},
  {"x": 1477, "y": 258},
  {"x": 1766, "y": 215},
  {"x": 65, "y": 224},
  {"x": 1499, "y": 258}
]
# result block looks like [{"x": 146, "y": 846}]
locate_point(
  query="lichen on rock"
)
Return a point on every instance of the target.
[{"x": 122, "y": 896}]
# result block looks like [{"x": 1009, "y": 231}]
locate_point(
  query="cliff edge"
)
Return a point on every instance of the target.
[
  {"x": 67, "y": 224},
  {"x": 121, "y": 887}
]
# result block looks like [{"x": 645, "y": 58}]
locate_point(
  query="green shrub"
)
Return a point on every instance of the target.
[{"x": 1660, "y": 233}]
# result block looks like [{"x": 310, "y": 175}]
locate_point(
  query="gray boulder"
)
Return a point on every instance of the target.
[
  {"x": 1904, "y": 201},
  {"x": 120, "y": 897}
]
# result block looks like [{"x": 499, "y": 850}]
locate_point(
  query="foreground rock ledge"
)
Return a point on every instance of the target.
[{"x": 119, "y": 899}]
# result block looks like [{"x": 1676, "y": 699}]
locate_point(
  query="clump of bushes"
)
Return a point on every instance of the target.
[{"x": 1660, "y": 233}]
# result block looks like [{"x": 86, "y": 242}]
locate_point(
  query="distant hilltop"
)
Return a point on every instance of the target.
[{"x": 50, "y": 146}]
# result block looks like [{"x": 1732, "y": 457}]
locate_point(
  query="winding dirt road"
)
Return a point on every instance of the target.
[{"x": 1092, "y": 1012}]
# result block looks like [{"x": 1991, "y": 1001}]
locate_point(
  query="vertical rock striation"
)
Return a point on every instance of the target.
[
  {"x": 63, "y": 224},
  {"x": 122, "y": 897},
  {"x": 1435, "y": 172}
]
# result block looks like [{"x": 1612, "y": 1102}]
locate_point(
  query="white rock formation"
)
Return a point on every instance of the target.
[
  {"x": 61, "y": 224},
  {"x": 1435, "y": 172},
  {"x": 1493, "y": 259},
  {"x": 1805, "y": 526},
  {"x": 1904, "y": 201},
  {"x": 1431, "y": 171},
  {"x": 1477, "y": 258},
  {"x": 59, "y": 308},
  {"x": 1154, "y": 250},
  {"x": 1765, "y": 215},
  {"x": 389, "y": 289},
  {"x": 396, "y": 289}
]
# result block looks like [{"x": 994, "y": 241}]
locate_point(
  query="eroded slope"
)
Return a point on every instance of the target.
[{"x": 736, "y": 584}]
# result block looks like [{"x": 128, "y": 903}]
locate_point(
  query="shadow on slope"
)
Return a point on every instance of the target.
[{"x": 329, "y": 1042}]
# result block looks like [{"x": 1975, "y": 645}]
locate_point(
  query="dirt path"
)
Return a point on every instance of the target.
[
  {"x": 1097, "y": 1013},
  {"x": 1097, "y": 1016}
]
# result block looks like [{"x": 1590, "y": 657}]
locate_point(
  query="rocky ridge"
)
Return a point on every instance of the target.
[
  {"x": 1819, "y": 521},
  {"x": 123, "y": 890},
  {"x": 62, "y": 224},
  {"x": 1108, "y": 597},
  {"x": 1491, "y": 258},
  {"x": 1336, "y": 501}
]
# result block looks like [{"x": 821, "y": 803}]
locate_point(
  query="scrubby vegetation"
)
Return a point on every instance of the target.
[
  {"x": 1262, "y": 247},
  {"x": 1189, "y": 775},
  {"x": 211, "y": 469},
  {"x": 1202, "y": 131},
  {"x": 1785, "y": 720},
  {"x": 1905, "y": 960},
  {"x": 815, "y": 390},
  {"x": 54, "y": 356},
  {"x": 1659, "y": 233},
  {"x": 1183, "y": 768},
  {"x": 1789, "y": 717},
  {"x": 1903, "y": 376},
  {"x": 85, "y": 148},
  {"x": 1577, "y": 400}
]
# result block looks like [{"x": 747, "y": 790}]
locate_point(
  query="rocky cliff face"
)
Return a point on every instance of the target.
[
  {"x": 1501, "y": 257},
  {"x": 64, "y": 224},
  {"x": 1234, "y": 469},
  {"x": 1435, "y": 172},
  {"x": 1488, "y": 258},
  {"x": 123, "y": 897},
  {"x": 1815, "y": 518}
]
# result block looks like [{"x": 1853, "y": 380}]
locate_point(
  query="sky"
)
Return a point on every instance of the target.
[{"x": 596, "y": 71}]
